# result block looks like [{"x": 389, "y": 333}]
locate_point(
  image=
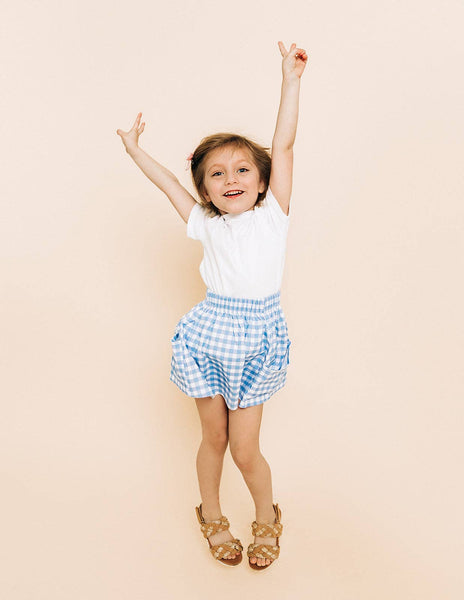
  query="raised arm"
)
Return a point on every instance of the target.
[
  {"x": 166, "y": 181},
  {"x": 293, "y": 64}
]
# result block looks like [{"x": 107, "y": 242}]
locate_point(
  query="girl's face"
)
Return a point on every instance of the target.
[{"x": 232, "y": 170}]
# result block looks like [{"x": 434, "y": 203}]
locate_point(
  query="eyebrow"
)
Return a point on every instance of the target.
[{"x": 244, "y": 160}]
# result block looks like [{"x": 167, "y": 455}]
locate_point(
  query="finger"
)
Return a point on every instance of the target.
[
  {"x": 282, "y": 48},
  {"x": 137, "y": 120},
  {"x": 293, "y": 51}
]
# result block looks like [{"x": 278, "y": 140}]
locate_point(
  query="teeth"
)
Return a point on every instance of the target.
[{"x": 233, "y": 194}]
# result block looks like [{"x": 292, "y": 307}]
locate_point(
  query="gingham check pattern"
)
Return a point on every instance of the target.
[{"x": 237, "y": 347}]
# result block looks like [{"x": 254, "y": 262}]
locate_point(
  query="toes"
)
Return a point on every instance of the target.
[{"x": 261, "y": 562}]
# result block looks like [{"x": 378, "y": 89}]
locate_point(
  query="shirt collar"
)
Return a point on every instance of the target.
[{"x": 227, "y": 217}]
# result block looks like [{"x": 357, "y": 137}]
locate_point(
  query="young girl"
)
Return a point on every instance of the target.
[{"x": 231, "y": 351}]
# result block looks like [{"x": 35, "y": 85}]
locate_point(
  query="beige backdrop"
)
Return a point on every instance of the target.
[{"x": 365, "y": 440}]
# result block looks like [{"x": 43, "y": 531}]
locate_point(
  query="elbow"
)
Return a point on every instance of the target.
[{"x": 282, "y": 147}]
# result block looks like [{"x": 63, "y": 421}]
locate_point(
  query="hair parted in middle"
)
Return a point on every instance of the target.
[{"x": 258, "y": 154}]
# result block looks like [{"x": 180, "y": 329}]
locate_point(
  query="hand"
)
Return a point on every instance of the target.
[
  {"x": 130, "y": 138},
  {"x": 294, "y": 61}
]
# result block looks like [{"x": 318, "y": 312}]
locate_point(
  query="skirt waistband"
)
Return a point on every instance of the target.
[{"x": 243, "y": 306}]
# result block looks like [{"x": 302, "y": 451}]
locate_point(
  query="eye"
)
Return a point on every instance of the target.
[{"x": 241, "y": 169}]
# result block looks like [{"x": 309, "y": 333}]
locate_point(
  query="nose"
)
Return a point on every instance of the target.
[{"x": 231, "y": 177}]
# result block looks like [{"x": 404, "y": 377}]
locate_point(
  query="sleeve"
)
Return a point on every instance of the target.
[
  {"x": 196, "y": 222},
  {"x": 277, "y": 215}
]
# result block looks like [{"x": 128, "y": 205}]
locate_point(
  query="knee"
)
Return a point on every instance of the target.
[
  {"x": 217, "y": 440},
  {"x": 244, "y": 455}
]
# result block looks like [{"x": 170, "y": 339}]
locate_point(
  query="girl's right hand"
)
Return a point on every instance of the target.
[{"x": 130, "y": 138}]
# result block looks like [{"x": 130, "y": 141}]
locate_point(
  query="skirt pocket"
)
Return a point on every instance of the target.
[
  {"x": 280, "y": 363},
  {"x": 267, "y": 377},
  {"x": 185, "y": 369},
  {"x": 175, "y": 337}
]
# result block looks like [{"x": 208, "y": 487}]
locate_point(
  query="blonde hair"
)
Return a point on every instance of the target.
[{"x": 259, "y": 155}]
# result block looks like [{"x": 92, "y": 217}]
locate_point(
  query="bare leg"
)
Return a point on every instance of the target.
[
  {"x": 244, "y": 426},
  {"x": 210, "y": 459}
]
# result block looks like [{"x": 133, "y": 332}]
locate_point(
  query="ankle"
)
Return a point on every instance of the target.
[
  {"x": 265, "y": 516},
  {"x": 211, "y": 512}
]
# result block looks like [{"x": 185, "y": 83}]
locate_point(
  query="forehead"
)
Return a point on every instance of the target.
[{"x": 223, "y": 155}]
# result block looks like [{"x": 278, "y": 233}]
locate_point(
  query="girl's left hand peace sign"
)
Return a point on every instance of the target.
[{"x": 294, "y": 60}]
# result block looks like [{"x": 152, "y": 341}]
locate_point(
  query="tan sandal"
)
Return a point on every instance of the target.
[
  {"x": 222, "y": 550},
  {"x": 266, "y": 550}
]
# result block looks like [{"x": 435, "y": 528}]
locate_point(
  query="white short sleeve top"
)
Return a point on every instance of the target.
[{"x": 244, "y": 254}]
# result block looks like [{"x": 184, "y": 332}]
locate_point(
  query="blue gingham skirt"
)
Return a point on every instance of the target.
[{"x": 237, "y": 347}]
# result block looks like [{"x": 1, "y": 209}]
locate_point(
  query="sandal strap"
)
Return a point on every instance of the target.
[
  {"x": 223, "y": 549},
  {"x": 211, "y": 527},
  {"x": 266, "y": 530},
  {"x": 263, "y": 551}
]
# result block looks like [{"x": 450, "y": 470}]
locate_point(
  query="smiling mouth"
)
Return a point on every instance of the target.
[{"x": 233, "y": 194}]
